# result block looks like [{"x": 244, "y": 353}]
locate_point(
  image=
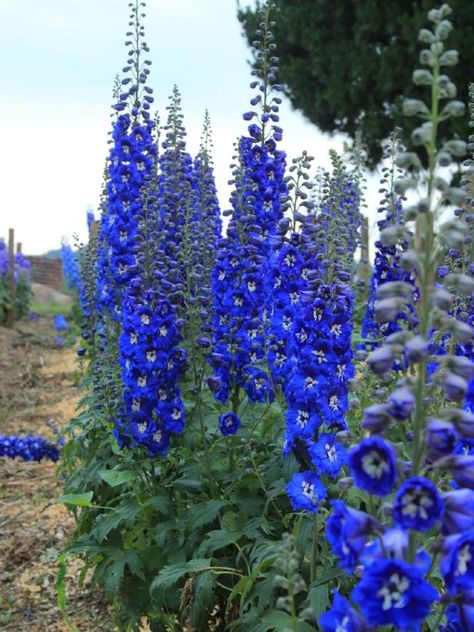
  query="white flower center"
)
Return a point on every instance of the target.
[
  {"x": 415, "y": 503},
  {"x": 145, "y": 319},
  {"x": 464, "y": 558},
  {"x": 393, "y": 593},
  {"x": 374, "y": 465},
  {"x": 331, "y": 452}
]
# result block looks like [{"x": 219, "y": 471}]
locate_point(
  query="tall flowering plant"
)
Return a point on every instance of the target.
[
  {"x": 411, "y": 537},
  {"x": 241, "y": 278}
]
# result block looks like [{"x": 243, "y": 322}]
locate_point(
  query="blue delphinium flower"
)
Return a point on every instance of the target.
[
  {"x": 347, "y": 531},
  {"x": 393, "y": 592},
  {"x": 373, "y": 464},
  {"x": 229, "y": 423},
  {"x": 458, "y": 515},
  {"x": 60, "y": 323},
  {"x": 131, "y": 162},
  {"x": 151, "y": 364},
  {"x": 28, "y": 448},
  {"x": 457, "y": 562},
  {"x": 327, "y": 455},
  {"x": 417, "y": 504},
  {"x": 305, "y": 491},
  {"x": 71, "y": 269},
  {"x": 241, "y": 280},
  {"x": 342, "y": 617}
]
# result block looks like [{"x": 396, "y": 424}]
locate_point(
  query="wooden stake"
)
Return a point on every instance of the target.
[{"x": 18, "y": 248}]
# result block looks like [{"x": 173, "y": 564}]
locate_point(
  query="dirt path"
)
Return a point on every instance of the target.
[{"x": 37, "y": 395}]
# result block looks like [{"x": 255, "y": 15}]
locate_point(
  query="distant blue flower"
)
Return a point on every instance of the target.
[
  {"x": 60, "y": 323},
  {"x": 393, "y": 592},
  {"x": 305, "y": 491},
  {"x": 374, "y": 466},
  {"x": 229, "y": 423},
  {"x": 28, "y": 448},
  {"x": 417, "y": 504},
  {"x": 342, "y": 618}
]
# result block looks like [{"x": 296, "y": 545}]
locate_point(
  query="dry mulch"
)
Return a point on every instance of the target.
[{"x": 37, "y": 396}]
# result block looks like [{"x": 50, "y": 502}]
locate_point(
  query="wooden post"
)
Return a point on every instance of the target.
[
  {"x": 10, "y": 317},
  {"x": 18, "y": 248}
]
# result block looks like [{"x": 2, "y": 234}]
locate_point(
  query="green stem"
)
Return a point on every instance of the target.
[{"x": 314, "y": 549}]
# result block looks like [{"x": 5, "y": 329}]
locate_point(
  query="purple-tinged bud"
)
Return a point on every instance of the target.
[
  {"x": 376, "y": 418},
  {"x": 460, "y": 365},
  {"x": 204, "y": 342},
  {"x": 218, "y": 359},
  {"x": 381, "y": 360},
  {"x": 454, "y": 387},
  {"x": 401, "y": 403},
  {"x": 461, "y": 468},
  {"x": 441, "y": 437},
  {"x": 214, "y": 383},
  {"x": 81, "y": 352},
  {"x": 345, "y": 483},
  {"x": 417, "y": 349},
  {"x": 458, "y": 511},
  {"x": 248, "y": 116},
  {"x": 442, "y": 299},
  {"x": 344, "y": 437},
  {"x": 409, "y": 261},
  {"x": 388, "y": 309},
  {"x": 463, "y": 420},
  {"x": 461, "y": 283}
]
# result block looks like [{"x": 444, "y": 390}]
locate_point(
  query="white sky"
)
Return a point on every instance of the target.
[{"x": 58, "y": 60}]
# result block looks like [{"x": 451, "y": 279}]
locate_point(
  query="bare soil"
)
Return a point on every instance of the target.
[{"x": 38, "y": 396}]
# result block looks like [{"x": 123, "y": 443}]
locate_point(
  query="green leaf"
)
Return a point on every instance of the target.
[
  {"x": 117, "y": 477},
  {"x": 187, "y": 483},
  {"x": 114, "y": 573},
  {"x": 203, "y": 513},
  {"x": 81, "y": 500},
  {"x": 123, "y": 513},
  {"x": 318, "y": 596},
  {"x": 216, "y": 540},
  {"x": 232, "y": 521},
  {"x": 169, "y": 575},
  {"x": 274, "y": 620}
]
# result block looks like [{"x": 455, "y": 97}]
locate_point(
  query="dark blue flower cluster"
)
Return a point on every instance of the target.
[
  {"x": 28, "y": 448},
  {"x": 241, "y": 280},
  {"x": 131, "y": 160},
  {"x": 174, "y": 205},
  {"x": 151, "y": 363},
  {"x": 71, "y": 268},
  {"x": 320, "y": 331}
]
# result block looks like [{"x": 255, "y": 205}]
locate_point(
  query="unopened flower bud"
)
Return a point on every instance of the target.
[
  {"x": 454, "y": 387},
  {"x": 422, "y": 77},
  {"x": 417, "y": 349},
  {"x": 380, "y": 361}
]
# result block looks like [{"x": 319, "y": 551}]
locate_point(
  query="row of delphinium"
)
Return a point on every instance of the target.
[
  {"x": 226, "y": 424},
  {"x": 20, "y": 302},
  {"x": 407, "y": 547},
  {"x": 28, "y": 448}
]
